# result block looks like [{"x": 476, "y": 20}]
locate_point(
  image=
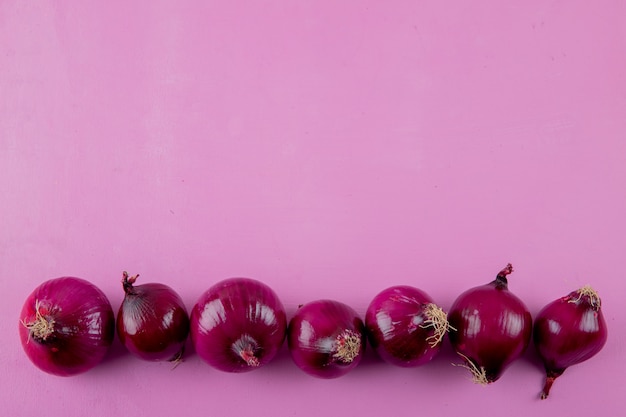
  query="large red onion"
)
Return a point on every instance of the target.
[
  {"x": 568, "y": 331},
  {"x": 152, "y": 322},
  {"x": 66, "y": 326},
  {"x": 404, "y": 326},
  {"x": 238, "y": 325},
  {"x": 326, "y": 338},
  {"x": 493, "y": 328}
]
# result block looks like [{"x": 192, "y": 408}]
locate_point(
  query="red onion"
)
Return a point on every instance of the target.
[
  {"x": 238, "y": 325},
  {"x": 404, "y": 326},
  {"x": 66, "y": 326},
  {"x": 493, "y": 328},
  {"x": 568, "y": 331},
  {"x": 326, "y": 338},
  {"x": 152, "y": 322}
]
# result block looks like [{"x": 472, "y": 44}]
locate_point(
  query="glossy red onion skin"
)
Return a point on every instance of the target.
[
  {"x": 568, "y": 331},
  {"x": 84, "y": 326},
  {"x": 394, "y": 321},
  {"x": 152, "y": 322},
  {"x": 232, "y": 315},
  {"x": 493, "y": 327},
  {"x": 312, "y": 331}
]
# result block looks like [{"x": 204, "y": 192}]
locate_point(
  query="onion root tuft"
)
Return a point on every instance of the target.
[
  {"x": 42, "y": 327},
  {"x": 438, "y": 320},
  {"x": 479, "y": 374}
]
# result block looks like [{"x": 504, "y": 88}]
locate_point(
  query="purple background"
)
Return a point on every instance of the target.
[{"x": 329, "y": 149}]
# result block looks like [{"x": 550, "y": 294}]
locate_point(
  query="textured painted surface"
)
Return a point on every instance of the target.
[{"x": 329, "y": 149}]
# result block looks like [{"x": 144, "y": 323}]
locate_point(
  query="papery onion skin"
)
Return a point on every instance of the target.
[
  {"x": 493, "y": 328},
  {"x": 152, "y": 321},
  {"x": 238, "y": 325},
  {"x": 568, "y": 331},
  {"x": 66, "y": 326},
  {"x": 401, "y": 327},
  {"x": 326, "y": 338}
]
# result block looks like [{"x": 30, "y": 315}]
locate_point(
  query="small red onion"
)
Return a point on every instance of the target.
[
  {"x": 238, "y": 325},
  {"x": 66, "y": 326},
  {"x": 405, "y": 327},
  {"x": 326, "y": 338},
  {"x": 493, "y": 328},
  {"x": 569, "y": 331},
  {"x": 152, "y": 322}
]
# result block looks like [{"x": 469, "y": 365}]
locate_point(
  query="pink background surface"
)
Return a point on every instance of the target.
[{"x": 329, "y": 149}]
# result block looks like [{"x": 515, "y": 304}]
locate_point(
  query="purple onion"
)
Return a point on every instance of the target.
[
  {"x": 404, "y": 326},
  {"x": 238, "y": 325},
  {"x": 152, "y": 322},
  {"x": 493, "y": 328},
  {"x": 569, "y": 331},
  {"x": 66, "y": 326},
  {"x": 326, "y": 338}
]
